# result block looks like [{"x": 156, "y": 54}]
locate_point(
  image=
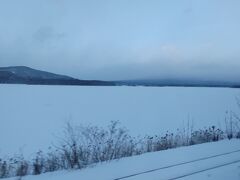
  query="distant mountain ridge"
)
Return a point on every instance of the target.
[
  {"x": 26, "y": 72},
  {"x": 26, "y": 75},
  {"x": 180, "y": 82}
]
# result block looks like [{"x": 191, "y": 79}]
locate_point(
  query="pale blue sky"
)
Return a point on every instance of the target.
[{"x": 123, "y": 39}]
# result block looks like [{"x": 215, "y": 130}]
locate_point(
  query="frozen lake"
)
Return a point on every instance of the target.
[{"x": 32, "y": 116}]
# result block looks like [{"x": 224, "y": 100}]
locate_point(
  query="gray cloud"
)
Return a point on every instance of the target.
[
  {"x": 44, "y": 34},
  {"x": 122, "y": 39}
]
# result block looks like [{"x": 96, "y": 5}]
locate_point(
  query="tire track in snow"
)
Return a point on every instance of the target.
[
  {"x": 203, "y": 170},
  {"x": 183, "y": 163}
]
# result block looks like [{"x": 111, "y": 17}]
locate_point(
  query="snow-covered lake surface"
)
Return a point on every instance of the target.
[{"x": 31, "y": 117}]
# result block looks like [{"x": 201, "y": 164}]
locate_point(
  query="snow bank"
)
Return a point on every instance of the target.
[{"x": 127, "y": 166}]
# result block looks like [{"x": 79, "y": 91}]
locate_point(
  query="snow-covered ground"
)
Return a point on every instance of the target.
[
  {"x": 34, "y": 116},
  {"x": 137, "y": 164}
]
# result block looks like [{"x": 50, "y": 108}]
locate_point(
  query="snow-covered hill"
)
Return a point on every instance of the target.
[
  {"x": 213, "y": 161},
  {"x": 26, "y": 75},
  {"x": 26, "y": 72}
]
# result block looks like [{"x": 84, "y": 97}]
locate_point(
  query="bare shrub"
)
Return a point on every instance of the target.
[
  {"x": 3, "y": 169},
  {"x": 38, "y": 163},
  {"x": 83, "y": 146},
  {"x": 206, "y": 135},
  {"x": 22, "y": 168},
  {"x": 53, "y": 161},
  {"x": 232, "y": 125}
]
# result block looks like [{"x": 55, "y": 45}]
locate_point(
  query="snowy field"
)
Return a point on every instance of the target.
[
  {"x": 203, "y": 155},
  {"x": 32, "y": 117}
]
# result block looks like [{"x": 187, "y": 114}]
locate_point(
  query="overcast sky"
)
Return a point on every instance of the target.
[{"x": 123, "y": 39}]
